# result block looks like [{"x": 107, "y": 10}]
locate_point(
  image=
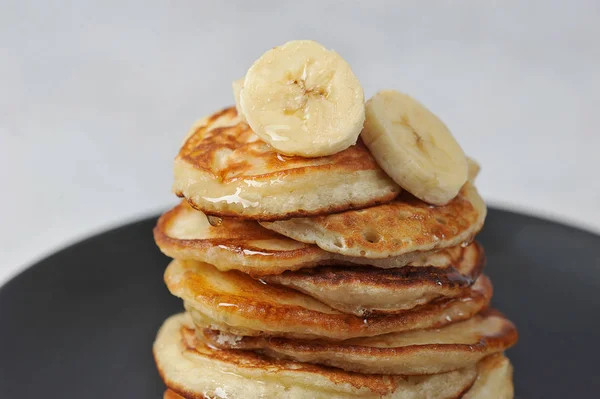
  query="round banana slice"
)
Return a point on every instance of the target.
[
  {"x": 414, "y": 147},
  {"x": 303, "y": 100},
  {"x": 237, "y": 86}
]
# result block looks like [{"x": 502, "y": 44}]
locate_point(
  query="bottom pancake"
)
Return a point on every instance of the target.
[
  {"x": 494, "y": 379},
  {"x": 192, "y": 369},
  {"x": 451, "y": 347}
]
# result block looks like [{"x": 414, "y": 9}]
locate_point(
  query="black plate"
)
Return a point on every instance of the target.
[{"x": 80, "y": 324}]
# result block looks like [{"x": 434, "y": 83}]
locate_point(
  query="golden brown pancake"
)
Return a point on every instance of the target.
[
  {"x": 224, "y": 169},
  {"x": 405, "y": 225},
  {"x": 232, "y": 243},
  {"x": 494, "y": 379},
  {"x": 433, "y": 351},
  {"x": 236, "y": 303},
  {"x": 364, "y": 290},
  {"x": 172, "y": 395},
  {"x": 194, "y": 370}
]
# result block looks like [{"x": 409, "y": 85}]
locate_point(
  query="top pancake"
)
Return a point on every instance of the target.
[
  {"x": 402, "y": 226},
  {"x": 224, "y": 169}
]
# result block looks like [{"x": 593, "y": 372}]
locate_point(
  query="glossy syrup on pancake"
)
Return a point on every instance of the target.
[
  {"x": 433, "y": 351},
  {"x": 236, "y": 244},
  {"x": 363, "y": 290},
  {"x": 230, "y": 243},
  {"x": 192, "y": 369},
  {"x": 224, "y": 169},
  {"x": 234, "y": 302},
  {"x": 404, "y": 225}
]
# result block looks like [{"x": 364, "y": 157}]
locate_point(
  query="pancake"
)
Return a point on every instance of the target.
[
  {"x": 451, "y": 347},
  {"x": 405, "y": 225},
  {"x": 365, "y": 290},
  {"x": 194, "y": 370},
  {"x": 236, "y": 303},
  {"x": 172, "y": 395},
  {"x": 224, "y": 169},
  {"x": 232, "y": 243},
  {"x": 494, "y": 379}
]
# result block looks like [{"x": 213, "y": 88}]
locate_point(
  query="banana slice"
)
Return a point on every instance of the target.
[
  {"x": 237, "y": 86},
  {"x": 473, "y": 168},
  {"x": 303, "y": 100},
  {"x": 414, "y": 147}
]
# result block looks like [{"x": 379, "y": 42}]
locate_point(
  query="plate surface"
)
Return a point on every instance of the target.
[{"x": 81, "y": 322}]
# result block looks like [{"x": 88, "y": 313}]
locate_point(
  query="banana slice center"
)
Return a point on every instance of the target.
[
  {"x": 426, "y": 143},
  {"x": 308, "y": 89}
]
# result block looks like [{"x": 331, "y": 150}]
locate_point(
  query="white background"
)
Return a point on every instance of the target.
[{"x": 96, "y": 96}]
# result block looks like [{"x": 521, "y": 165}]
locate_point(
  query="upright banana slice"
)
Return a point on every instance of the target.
[
  {"x": 303, "y": 100},
  {"x": 237, "y": 86},
  {"x": 473, "y": 168},
  {"x": 414, "y": 147}
]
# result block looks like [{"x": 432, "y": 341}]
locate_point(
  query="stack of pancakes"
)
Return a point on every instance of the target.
[{"x": 321, "y": 278}]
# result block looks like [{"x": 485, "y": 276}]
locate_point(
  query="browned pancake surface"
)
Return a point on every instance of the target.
[
  {"x": 405, "y": 225},
  {"x": 192, "y": 369},
  {"x": 364, "y": 290},
  {"x": 235, "y": 302},
  {"x": 224, "y": 169},
  {"x": 451, "y": 347},
  {"x": 231, "y": 243}
]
